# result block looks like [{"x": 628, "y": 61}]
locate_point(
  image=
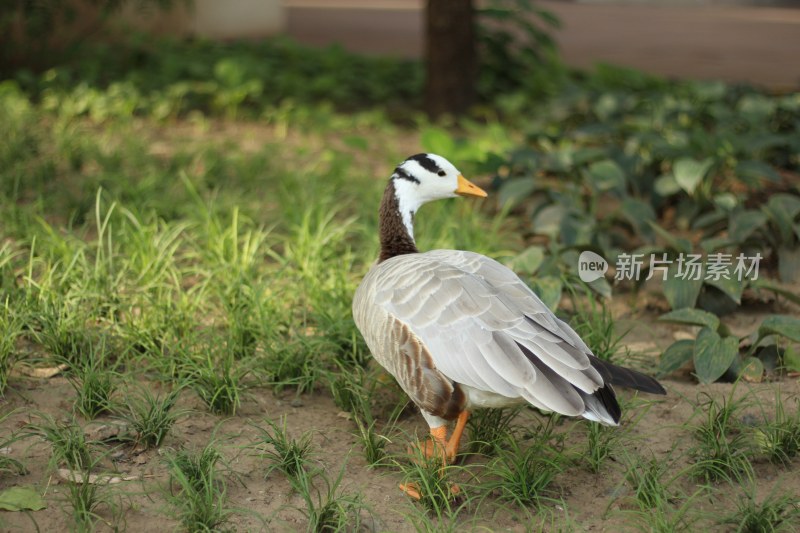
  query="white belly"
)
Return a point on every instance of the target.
[{"x": 477, "y": 399}]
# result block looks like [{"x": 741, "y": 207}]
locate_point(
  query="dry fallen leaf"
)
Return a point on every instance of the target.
[
  {"x": 93, "y": 479},
  {"x": 39, "y": 372}
]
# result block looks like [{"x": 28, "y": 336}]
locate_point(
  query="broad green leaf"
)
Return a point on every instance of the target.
[
  {"x": 713, "y": 355},
  {"x": 601, "y": 287},
  {"x": 529, "y": 260},
  {"x": 678, "y": 244},
  {"x": 715, "y": 300},
  {"x": 21, "y": 499},
  {"x": 710, "y": 219},
  {"x": 751, "y": 369},
  {"x": 742, "y": 224},
  {"x": 666, "y": 185},
  {"x": 783, "y": 325},
  {"x": 725, "y": 201},
  {"x": 788, "y": 263},
  {"x": 548, "y": 288},
  {"x": 515, "y": 191},
  {"x": 639, "y": 214},
  {"x": 782, "y": 209},
  {"x": 690, "y": 172},
  {"x": 752, "y": 171},
  {"x": 732, "y": 287},
  {"x": 606, "y": 175},
  {"x": 680, "y": 292},
  {"x": 791, "y": 359},
  {"x": 678, "y": 354},
  {"x": 548, "y": 220},
  {"x": 695, "y": 317}
]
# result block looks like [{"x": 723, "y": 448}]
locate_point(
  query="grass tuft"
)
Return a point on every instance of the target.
[
  {"x": 779, "y": 439},
  {"x": 523, "y": 476},
  {"x": 151, "y": 416},
  {"x": 722, "y": 450},
  {"x": 93, "y": 382},
  {"x": 288, "y": 455},
  {"x": 197, "y": 490},
  {"x": 776, "y": 512},
  {"x": 489, "y": 428}
]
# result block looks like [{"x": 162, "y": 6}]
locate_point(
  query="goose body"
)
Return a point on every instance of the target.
[{"x": 460, "y": 331}]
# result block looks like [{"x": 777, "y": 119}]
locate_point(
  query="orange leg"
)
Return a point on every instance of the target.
[
  {"x": 440, "y": 444},
  {"x": 451, "y": 449}
]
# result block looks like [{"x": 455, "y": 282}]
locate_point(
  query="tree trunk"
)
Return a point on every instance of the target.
[{"x": 450, "y": 56}]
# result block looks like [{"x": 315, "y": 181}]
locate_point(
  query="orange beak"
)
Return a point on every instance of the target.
[{"x": 467, "y": 188}]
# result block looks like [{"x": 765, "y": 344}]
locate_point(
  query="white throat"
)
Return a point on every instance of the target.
[{"x": 407, "y": 203}]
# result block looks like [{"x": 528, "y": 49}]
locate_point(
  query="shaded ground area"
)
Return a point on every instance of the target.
[{"x": 757, "y": 45}]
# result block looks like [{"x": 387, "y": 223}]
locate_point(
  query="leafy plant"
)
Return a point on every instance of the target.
[
  {"x": 515, "y": 46},
  {"x": 715, "y": 352}
]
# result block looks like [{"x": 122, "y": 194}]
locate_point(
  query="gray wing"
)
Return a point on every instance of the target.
[{"x": 485, "y": 328}]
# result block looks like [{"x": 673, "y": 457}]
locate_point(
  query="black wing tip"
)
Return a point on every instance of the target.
[
  {"x": 625, "y": 377},
  {"x": 609, "y": 400}
]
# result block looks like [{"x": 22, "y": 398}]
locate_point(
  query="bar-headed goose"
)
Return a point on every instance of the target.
[{"x": 460, "y": 331}]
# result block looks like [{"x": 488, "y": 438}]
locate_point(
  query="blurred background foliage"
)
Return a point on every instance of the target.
[{"x": 612, "y": 160}]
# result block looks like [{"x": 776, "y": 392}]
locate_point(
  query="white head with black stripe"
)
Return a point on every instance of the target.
[{"x": 423, "y": 178}]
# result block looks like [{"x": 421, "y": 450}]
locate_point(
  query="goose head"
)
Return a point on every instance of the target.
[
  {"x": 423, "y": 178},
  {"x": 416, "y": 181}
]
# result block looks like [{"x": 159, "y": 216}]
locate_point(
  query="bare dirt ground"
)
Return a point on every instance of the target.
[{"x": 590, "y": 501}]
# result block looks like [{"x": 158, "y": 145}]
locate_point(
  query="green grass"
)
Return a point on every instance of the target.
[
  {"x": 524, "y": 476},
  {"x": 775, "y": 512},
  {"x": 150, "y": 416},
  {"x": 290, "y": 456},
  {"x": 723, "y": 449},
  {"x": 488, "y": 429},
  {"x": 779, "y": 438},
  {"x": 69, "y": 447},
  {"x": 327, "y": 507},
  {"x": 198, "y": 491},
  {"x": 94, "y": 382},
  {"x": 11, "y": 324}
]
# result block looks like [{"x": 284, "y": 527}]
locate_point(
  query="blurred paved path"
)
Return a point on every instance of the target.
[{"x": 733, "y": 43}]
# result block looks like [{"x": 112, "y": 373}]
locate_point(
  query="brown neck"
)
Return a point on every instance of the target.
[{"x": 395, "y": 239}]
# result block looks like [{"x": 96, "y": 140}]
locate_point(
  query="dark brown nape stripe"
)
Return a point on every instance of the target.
[{"x": 395, "y": 239}]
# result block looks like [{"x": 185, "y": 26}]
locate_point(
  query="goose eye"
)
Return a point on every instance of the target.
[{"x": 442, "y": 173}]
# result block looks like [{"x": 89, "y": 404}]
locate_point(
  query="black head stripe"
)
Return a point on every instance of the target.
[
  {"x": 402, "y": 174},
  {"x": 426, "y": 162}
]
